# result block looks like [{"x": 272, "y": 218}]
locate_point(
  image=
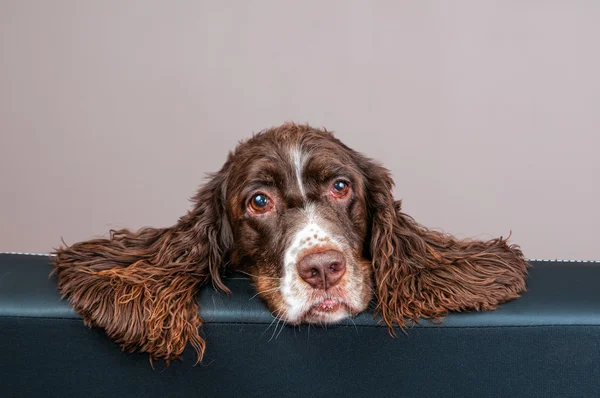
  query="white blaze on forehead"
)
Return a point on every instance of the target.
[
  {"x": 298, "y": 158},
  {"x": 310, "y": 234}
]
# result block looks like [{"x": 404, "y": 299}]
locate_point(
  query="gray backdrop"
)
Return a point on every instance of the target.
[{"x": 487, "y": 112}]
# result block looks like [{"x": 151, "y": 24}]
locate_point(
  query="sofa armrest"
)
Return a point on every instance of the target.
[{"x": 547, "y": 343}]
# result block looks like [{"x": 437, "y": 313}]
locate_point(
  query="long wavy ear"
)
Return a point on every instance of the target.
[
  {"x": 140, "y": 286},
  {"x": 421, "y": 273}
]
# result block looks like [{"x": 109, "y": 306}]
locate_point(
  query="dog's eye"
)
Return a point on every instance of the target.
[
  {"x": 260, "y": 203},
  {"x": 340, "y": 189}
]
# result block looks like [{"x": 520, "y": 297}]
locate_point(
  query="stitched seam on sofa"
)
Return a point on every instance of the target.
[
  {"x": 30, "y": 254},
  {"x": 556, "y": 260}
]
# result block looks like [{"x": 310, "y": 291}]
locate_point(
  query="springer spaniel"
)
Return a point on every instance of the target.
[{"x": 315, "y": 226}]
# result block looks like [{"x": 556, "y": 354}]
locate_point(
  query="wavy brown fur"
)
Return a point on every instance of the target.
[
  {"x": 422, "y": 273},
  {"x": 140, "y": 287}
]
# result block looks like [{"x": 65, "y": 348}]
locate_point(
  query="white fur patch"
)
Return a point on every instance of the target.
[
  {"x": 298, "y": 160},
  {"x": 295, "y": 292},
  {"x": 298, "y": 296}
]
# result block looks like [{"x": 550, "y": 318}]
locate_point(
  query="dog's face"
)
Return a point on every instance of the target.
[{"x": 297, "y": 208}]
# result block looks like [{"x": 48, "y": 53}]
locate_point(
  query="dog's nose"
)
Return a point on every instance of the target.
[{"x": 322, "y": 270}]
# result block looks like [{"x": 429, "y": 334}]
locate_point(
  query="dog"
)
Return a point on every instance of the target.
[{"x": 315, "y": 226}]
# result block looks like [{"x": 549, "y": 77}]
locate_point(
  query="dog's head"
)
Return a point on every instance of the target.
[
  {"x": 298, "y": 203},
  {"x": 316, "y": 227}
]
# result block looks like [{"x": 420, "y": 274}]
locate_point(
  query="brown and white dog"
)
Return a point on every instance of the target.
[{"x": 315, "y": 226}]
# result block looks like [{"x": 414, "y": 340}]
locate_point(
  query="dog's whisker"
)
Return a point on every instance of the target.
[
  {"x": 281, "y": 330},
  {"x": 259, "y": 276},
  {"x": 354, "y": 323},
  {"x": 275, "y": 330},
  {"x": 264, "y": 292},
  {"x": 283, "y": 316},
  {"x": 275, "y": 317}
]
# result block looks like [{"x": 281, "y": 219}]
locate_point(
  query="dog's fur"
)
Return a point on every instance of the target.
[{"x": 141, "y": 286}]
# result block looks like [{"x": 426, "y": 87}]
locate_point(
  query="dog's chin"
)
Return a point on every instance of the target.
[
  {"x": 327, "y": 311},
  {"x": 320, "y": 317}
]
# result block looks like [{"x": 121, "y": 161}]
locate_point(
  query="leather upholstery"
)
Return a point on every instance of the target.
[{"x": 547, "y": 343}]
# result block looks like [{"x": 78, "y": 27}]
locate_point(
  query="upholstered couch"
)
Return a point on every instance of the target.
[{"x": 545, "y": 344}]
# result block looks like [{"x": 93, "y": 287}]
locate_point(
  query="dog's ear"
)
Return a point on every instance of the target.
[
  {"x": 421, "y": 273},
  {"x": 141, "y": 286}
]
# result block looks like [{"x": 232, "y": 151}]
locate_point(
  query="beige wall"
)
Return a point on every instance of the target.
[{"x": 487, "y": 112}]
